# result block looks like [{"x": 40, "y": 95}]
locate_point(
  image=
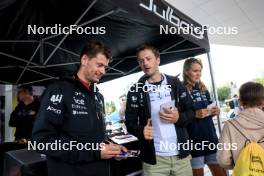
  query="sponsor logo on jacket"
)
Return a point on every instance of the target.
[{"x": 55, "y": 99}]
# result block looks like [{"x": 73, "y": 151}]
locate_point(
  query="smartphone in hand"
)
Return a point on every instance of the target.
[
  {"x": 169, "y": 105},
  {"x": 128, "y": 154}
]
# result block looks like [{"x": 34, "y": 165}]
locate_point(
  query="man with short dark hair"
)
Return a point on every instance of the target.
[
  {"x": 24, "y": 114},
  {"x": 72, "y": 112},
  {"x": 246, "y": 127}
]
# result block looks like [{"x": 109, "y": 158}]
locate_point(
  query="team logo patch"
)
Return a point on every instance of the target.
[
  {"x": 134, "y": 99},
  {"x": 56, "y": 98}
]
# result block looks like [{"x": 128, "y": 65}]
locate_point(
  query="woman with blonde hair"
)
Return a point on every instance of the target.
[{"x": 201, "y": 131}]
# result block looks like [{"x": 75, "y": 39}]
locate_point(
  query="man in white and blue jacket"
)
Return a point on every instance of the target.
[{"x": 145, "y": 101}]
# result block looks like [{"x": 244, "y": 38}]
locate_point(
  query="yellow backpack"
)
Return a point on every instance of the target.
[{"x": 251, "y": 158}]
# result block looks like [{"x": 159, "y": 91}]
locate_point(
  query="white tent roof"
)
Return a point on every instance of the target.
[{"x": 246, "y": 15}]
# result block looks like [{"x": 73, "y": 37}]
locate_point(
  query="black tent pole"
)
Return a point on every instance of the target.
[
  {"x": 17, "y": 58},
  {"x": 29, "y": 62},
  {"x": 214, "y": 88},
  {"x": 37, "y": 81}
]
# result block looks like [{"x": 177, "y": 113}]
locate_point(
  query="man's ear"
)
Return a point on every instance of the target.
[
  {"x": 84, "y": 60},
  {"x": 158, "y": 60}
]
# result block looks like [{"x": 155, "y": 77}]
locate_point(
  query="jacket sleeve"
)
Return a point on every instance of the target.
[
  {"x": 208, "y": 96},
  {"x": 132, "y": 114},
  {"x": 47, "y": 129},
  {"x": 224, "y": 157},
  {"x": 15, "y": 119},
  {"x": 185, "y": 105}
]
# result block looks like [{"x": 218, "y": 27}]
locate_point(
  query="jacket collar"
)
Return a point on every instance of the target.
[
  {"x": 81, "y": 84},
  {"x": 253, "y": 116}
]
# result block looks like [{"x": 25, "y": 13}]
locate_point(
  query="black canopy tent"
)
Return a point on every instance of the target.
[
  {"x": 39, "y": 58},
  {"x": 128, "y": 24}
]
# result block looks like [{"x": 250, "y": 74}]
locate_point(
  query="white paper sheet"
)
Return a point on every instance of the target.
[{"x": 123, "y": 139}]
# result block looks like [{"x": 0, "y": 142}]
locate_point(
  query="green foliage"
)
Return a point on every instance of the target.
[
  {"x": 223, "y": 93},
  {"x": 260, "y": 80},
  {"x": 110, "y": 107}
]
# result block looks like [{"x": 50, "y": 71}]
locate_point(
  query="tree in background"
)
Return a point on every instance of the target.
[
  {"x": 260, "y": 80},
  {"x": 110, "y": 107},
  {"x": 223, "y": 93}
]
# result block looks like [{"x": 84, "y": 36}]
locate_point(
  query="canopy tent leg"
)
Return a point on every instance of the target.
[
  {"x": 8, "y": 110},
  {"x": 214, "y": 88}
]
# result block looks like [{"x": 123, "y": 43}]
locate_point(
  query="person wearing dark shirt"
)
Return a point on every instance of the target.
[
  {"x": 201, "y": 130},
  {"x": 155, "y": 124},
  {"x": 23, "y": 117},
  {"x": 72, "y": 112}
]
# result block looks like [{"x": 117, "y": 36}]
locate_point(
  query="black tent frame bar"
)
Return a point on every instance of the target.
[{"x": 44, "y": 64}]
